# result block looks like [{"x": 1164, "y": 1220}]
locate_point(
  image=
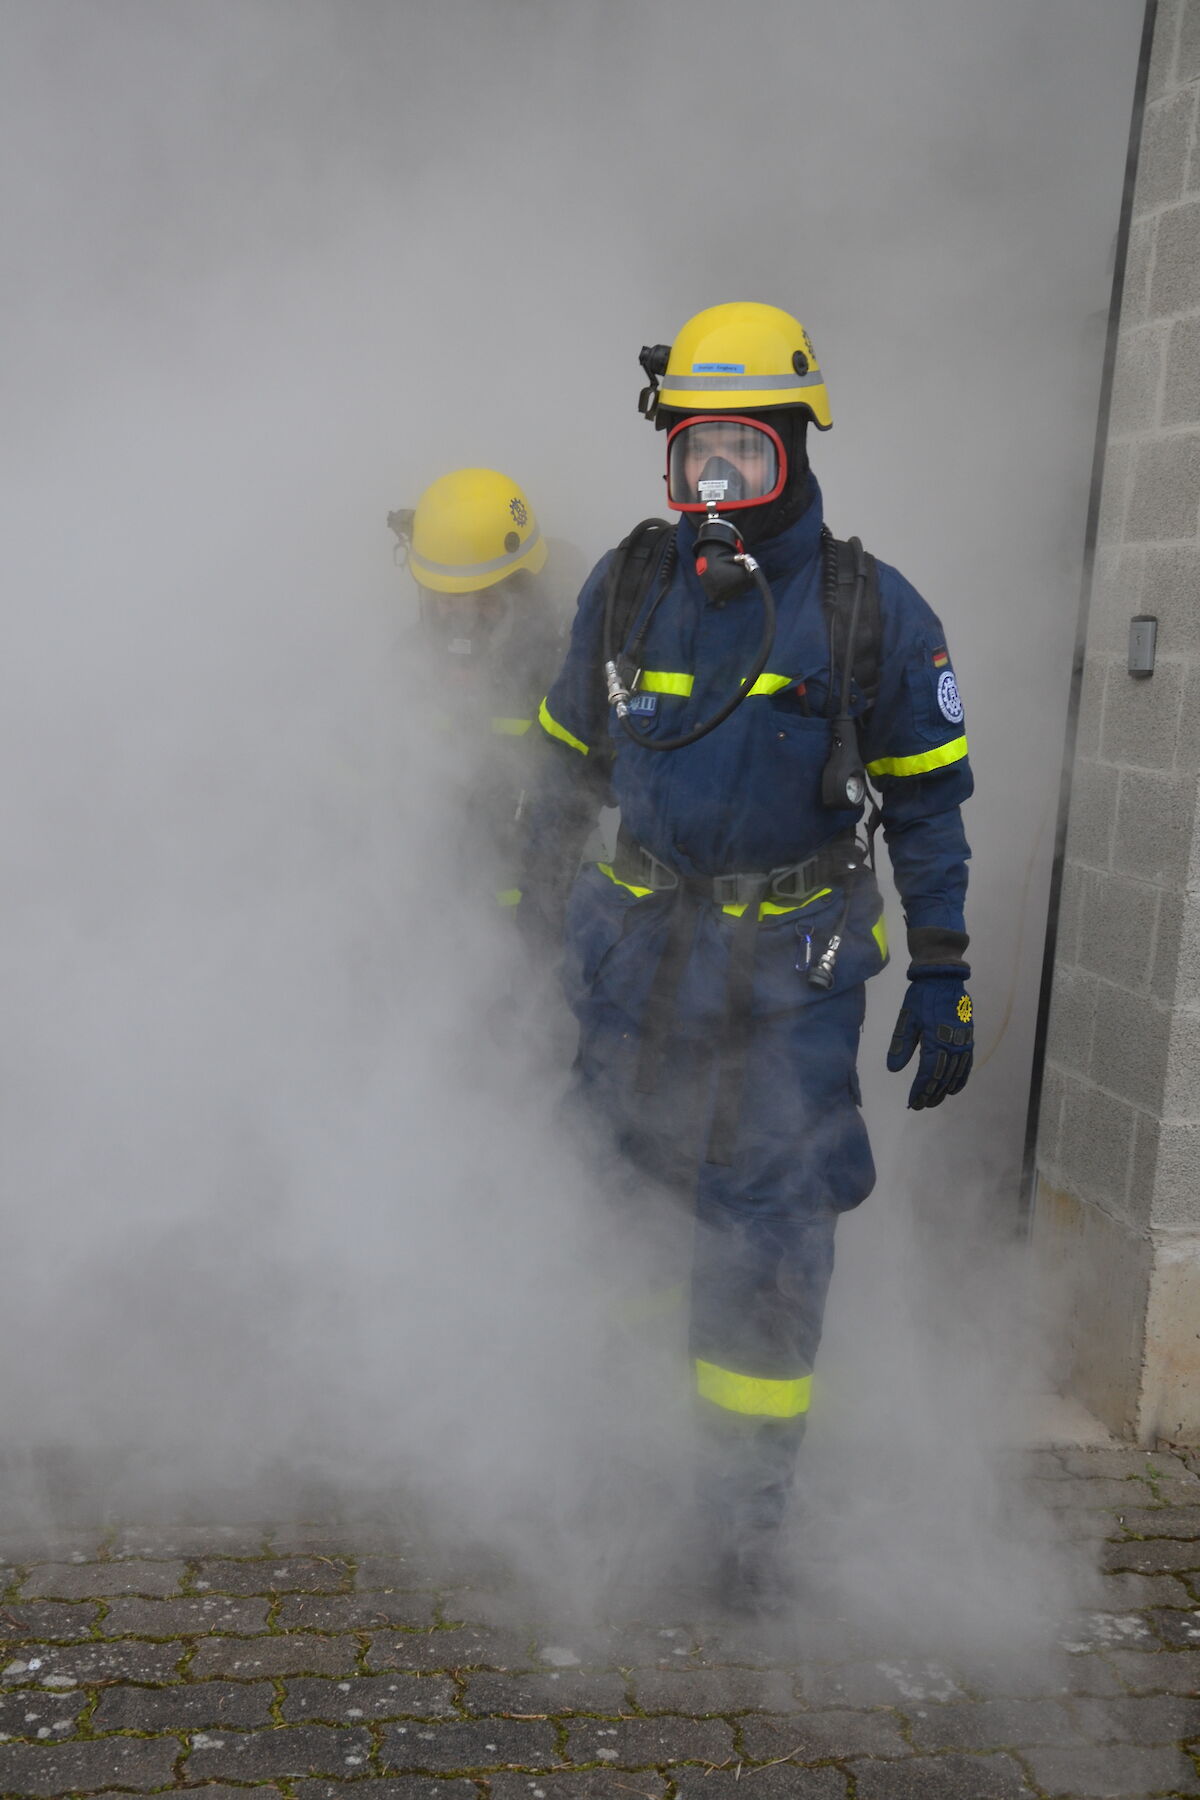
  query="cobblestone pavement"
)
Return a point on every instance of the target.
[{"x": 320, "y": 1664}]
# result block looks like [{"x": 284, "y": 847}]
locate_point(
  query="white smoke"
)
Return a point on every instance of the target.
[{"x": 275, "y": 1200}]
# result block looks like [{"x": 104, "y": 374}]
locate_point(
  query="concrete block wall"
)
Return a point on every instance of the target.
[{"x": 1117, "y": 1205}]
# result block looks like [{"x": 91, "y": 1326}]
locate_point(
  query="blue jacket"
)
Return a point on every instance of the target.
[{"x": 747, "y": 797}]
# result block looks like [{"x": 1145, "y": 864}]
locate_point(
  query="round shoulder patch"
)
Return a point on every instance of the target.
[{"x": 949, "y": 703}]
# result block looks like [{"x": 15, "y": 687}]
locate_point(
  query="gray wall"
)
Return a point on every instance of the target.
[{"x": 1118, "y": 1202}]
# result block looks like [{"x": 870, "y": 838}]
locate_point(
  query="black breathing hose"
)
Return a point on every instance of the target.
[{"x": 619, "y": 697}]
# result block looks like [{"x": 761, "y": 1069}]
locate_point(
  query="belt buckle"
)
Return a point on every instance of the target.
[
  {"x": 657, "y": 874},
  {"x": 795, "y": 882}
]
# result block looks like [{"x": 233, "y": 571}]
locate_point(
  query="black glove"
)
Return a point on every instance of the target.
[{"x": 936, "y": 1017}]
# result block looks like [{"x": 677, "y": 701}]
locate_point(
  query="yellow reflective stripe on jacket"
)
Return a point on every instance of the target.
[
  {"x": 765, "y": 907},
  {"x": 549, "y": 723},
  {"x": 511, "y": 727},
  {"x": 753, "y": 1394},
  {"x": 665, "y": 681},
  {"x": 606, "y": 869},
  {"x": 921, "y": 764},
  {"x": 508, "y": 896},
  {"x": 671, "y": 681},
  {"x": 879, "y": 933}
]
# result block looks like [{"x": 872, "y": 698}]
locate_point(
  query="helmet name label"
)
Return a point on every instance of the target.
[{"x": 718, "y": 368}]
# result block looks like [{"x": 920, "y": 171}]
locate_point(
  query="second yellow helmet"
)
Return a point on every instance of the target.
[{"x": 471, "y": 529}]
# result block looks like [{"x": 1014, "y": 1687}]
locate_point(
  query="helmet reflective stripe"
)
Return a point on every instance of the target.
[
  {"x": 740, "y": 384},
  {"x": 463, "y": 570}
]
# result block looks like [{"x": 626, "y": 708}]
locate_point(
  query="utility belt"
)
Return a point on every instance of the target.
[
  {"x": 834, "y": 864},
  {"x": 791, "y": 885}
]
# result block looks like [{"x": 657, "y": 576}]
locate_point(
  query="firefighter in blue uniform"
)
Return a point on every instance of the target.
[
  {"x": 730, "y": 685},
  {"x": 487, "y": 642}
]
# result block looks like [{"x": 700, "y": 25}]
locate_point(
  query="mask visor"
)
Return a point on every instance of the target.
[{"x": 723, "y": 460}]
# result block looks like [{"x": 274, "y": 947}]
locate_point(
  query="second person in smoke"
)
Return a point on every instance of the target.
[
  {"x": 488, "y": 640},
  {"x": 731, "y": 684}
]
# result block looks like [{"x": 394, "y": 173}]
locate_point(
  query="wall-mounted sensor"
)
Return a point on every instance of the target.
[{"x": 1143, "y": 630}]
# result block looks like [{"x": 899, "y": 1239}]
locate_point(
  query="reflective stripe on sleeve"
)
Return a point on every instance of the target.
[
  {"x": 921, "y": 764},
  {"x": 511, "y": 727},
  {"x": 752, "y": 1394},
  {"x": 508, "y": 896},
  {"x": 550, "y": 724}
]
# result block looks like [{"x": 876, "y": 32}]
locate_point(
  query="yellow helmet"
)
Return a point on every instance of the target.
[
  {"x": 471, "y": 529},
  {"x": 736, "y": 358}
]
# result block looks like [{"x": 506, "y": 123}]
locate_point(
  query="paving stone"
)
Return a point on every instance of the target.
[
  {"x": 407, "y": 1787},
  {"x": 354, "y": 1612},
  {"x": 1099, "y": 1630},
  {"x": 138, "y": 1763},
  {"x": 469, "y": 1647},
  {"x": 273, "y": 1575},
  {"x": 189, "y": 1540},
  {"x": 22, "y": 1546},
  {"x": 478, "y": 1744},
  {"x": 190, "y": 1616},
  {"x": 292, "y": 1750},
  {"x": 1128, "y": 1592},
  {"x": 38, "y": 1713},
  {"x": 185, "y": 1706},
  {"x": 21, "y": 1619},
  {"x": 943, "y": 1778},
  {"x": 1110, "y": 1496},
  {"x": 1183, "y": 1490},
  {"x": 818, "y": 1736},
  {"x": 1181, "y": 1630},
  {"x": 1116, "y": 1769},
  {"x": 1156, "y": 1719},
  {"x": 1164, "y": 1522},
  {"x": 125, "y": 1659},
  {"x": 878, "y": 1684},
  {"x": 1157, "y": 1556},
  {"x": 992, "y": 1724},
  {"x": 383, "y": 1574},
  {"x": 1115, "y": 1464},
  {"x": 292, "y": 1654},
  {"x": 1036, "y": 1677},
  {"x": 588, "y": 1784},
  {"x": 745, "y": 1783},
  {"x": 714, "y": 1690},
  {"x": 370, "y": 1697},
  {"x": 640, "y": 1743},
  {"x": 220, "y": 1790},
  {"x": 1168, "y": 1672},
  {"x": 638, "y": 1647},
  {"x": 84, "y": 1581},
  {"x": 560, "y": 1691}
]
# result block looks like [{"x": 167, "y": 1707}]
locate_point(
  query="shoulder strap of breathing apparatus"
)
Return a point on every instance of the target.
[{"x": 855, "y": 625}]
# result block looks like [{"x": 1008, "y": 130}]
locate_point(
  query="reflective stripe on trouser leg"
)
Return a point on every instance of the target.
[{"x": 760, "y": 1278}]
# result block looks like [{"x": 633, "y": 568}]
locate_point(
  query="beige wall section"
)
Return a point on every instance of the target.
[{"x": 1117, "y": 1209}]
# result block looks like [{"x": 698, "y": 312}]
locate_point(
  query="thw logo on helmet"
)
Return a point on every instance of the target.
[{"x": 519, "y": 510}]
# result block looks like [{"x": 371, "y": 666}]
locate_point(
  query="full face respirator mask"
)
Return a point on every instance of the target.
[{"x": 719, "y": 465}]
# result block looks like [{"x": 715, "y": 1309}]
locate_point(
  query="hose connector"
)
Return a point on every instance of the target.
[
  {"x": 821, "y": 973},
  {"x": 618, "y": 693}
]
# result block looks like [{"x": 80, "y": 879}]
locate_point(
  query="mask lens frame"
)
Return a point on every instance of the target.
[{"x": 757, "y": 465}]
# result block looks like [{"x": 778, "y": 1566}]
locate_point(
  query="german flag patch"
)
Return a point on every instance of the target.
[{"x": 941, "y": 658}]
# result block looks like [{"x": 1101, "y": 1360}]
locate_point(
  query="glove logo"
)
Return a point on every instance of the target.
[
  {"x": 949, "y": 704},
  {"x": 519, "y": 510},
  {"x": 963, "y": 1009}
]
